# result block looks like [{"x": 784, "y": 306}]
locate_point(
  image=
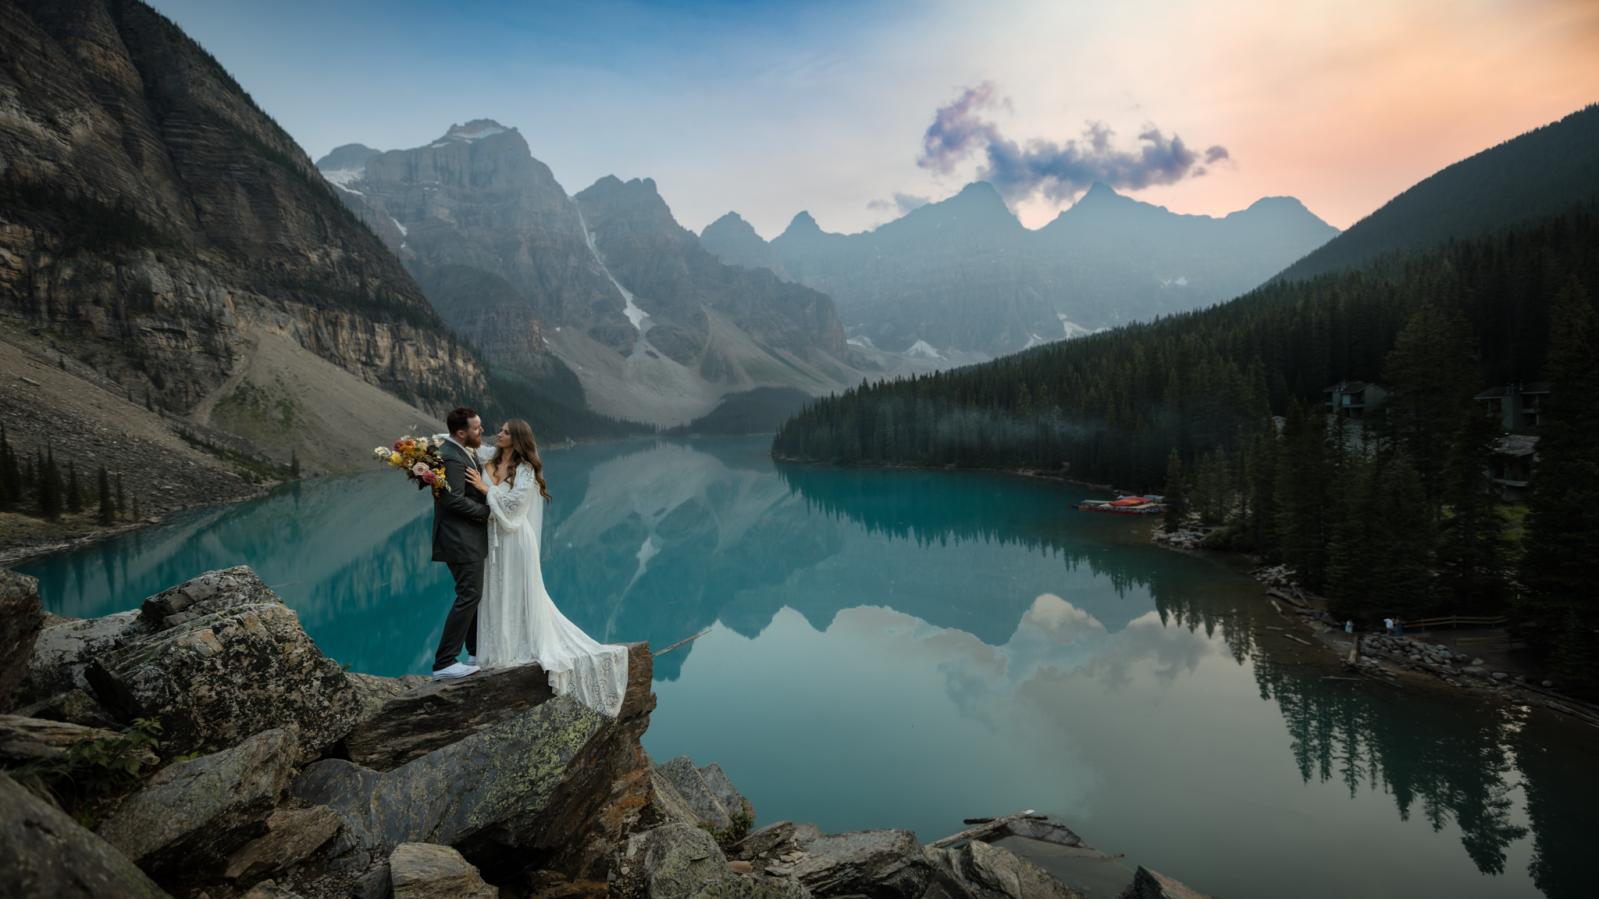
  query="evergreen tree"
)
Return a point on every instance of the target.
[
  {"x": 50, "y": 487},
  {"x": 121, "y": 506},
  {"x": 1558, "y": 610},
  {"x": 74, "y": 489},
  {"x": 294, "y": 464},
  {"x": 108, "y": 509},
  {"x": 1471, "y": 538},
  {"x": 1432, "y": 378},
  {"x": 1401, "y": 545},
  {"x": 10, "y": 474},
  {"x": 137, "y": 514},
  {"x": 1301, "y": 495},
  {"x": 1176, "y": 505}
]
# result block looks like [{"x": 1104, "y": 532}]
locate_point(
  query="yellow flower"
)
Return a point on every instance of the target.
[{"x": 396, "y": 459}]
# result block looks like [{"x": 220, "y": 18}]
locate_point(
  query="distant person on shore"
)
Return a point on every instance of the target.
[
  {"x": 1388, "y": 626},
  {"x": 1399, "y": 627},
  {"x": 1349, "y": 626}
]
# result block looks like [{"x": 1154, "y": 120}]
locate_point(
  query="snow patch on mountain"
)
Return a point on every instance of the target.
[{"x": 922, "y": 349}]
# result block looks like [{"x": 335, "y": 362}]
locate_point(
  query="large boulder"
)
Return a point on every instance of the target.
[
  {"x": 21, "y": 617},
  {"x": 192, "y": 815},
  {"x": 225, "y": 658},
  {"x": 64, "y": 650},
  {"x": 785, "y": 838},
  {"x": 551, "y": 785},
  {"x": 682, "y": 861},
  {"x": 24, "y": 740},
  {"x": 413, "y": 722},
  {"x": 978, "y": 870},
  {"x": 429, "y": 871},
  {"x": 45, "y": 853},
  {"x": 293, "y": 835},
  {"x": 883, "y": 863},
  {"x": 706, "y": 796}
]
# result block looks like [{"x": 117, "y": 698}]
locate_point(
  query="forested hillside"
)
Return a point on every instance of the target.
[{"x": 1396, "y": 517}]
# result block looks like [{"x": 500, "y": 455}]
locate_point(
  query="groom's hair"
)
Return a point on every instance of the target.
[{"x": 459, "y": 418}]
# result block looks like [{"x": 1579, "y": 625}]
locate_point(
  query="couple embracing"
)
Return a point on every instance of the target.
[{"x": 486, "y": 528}]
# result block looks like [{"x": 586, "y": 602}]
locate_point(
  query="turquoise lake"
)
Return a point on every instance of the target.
[{"x": 908, "y": 648}]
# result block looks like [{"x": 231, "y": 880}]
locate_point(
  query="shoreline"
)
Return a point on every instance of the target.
[
  {"x": 16, "y": 549},
  {"x": 1037, "y": 474},
  {"x": 1404, "y": 662}
]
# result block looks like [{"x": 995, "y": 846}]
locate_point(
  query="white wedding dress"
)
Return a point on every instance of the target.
[{"x": 517, "y": 620}]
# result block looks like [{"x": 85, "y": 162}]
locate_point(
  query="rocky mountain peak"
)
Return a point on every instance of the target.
[
  {"x": 477, "y": 129},
  {"x": 347, "y": 157},
  {"x": 801, "y": 225}
]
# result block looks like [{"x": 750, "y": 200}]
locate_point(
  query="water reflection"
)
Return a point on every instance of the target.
[{"x": 902, "y": 648}]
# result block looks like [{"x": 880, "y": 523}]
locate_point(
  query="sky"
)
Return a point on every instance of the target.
[{"x": 858, "y": 111}]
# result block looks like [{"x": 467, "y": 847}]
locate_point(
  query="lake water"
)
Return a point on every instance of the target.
[{"x": 904, "y": 649}]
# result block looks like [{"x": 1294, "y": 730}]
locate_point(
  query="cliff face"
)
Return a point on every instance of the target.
[
  {"x": 157, "y": 226},
  {"x": 604, "y": 288}
]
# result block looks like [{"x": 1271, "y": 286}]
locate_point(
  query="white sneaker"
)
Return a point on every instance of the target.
[
  {"x": 471, "y": 659},
  {"x": 454, "y": 671}
]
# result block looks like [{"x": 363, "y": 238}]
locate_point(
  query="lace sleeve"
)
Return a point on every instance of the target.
[{"x": 509, "y": 503}]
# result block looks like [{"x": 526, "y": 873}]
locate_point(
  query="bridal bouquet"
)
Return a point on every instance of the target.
[{"x": 419, "y": 458}]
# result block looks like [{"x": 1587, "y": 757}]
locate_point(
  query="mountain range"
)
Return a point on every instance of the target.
[
  {"x": 603, "y": 288},
  {"x": 964, "y": 276}
]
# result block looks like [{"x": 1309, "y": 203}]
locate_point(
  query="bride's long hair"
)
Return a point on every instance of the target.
[{"x": 523, "y": 448}]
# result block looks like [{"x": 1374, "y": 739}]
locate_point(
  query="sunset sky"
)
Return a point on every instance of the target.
[{"x": 771, "y": 108}]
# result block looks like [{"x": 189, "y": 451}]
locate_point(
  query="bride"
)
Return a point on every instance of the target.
[{"x": 517, "y": 620}]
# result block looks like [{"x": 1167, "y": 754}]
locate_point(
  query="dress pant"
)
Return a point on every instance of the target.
[{"x": 461, "y": 625}]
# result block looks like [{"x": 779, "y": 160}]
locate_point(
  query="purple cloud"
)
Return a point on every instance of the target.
[{"x": 1059, "y": 171}]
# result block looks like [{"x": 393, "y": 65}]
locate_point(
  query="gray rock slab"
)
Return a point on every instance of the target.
[
  {"x": 21, "y": 618},
  {"x": 45, "y": 853},
  {"x": 292, "y": 835},
  {"x": 413, "y": 722},
  {"x": 495, "y": 778},
  {"x": 429, "y": 871},
  {"x": 191, "y": 815},
  {"x": 886, "y": 863}
]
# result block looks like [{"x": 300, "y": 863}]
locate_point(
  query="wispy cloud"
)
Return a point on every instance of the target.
[
  {"x": 900, "y": 203},
  {"x": 960, "y": 129}
]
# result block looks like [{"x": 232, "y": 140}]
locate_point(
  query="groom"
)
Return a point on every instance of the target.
[{"x": 461, "y": 541}]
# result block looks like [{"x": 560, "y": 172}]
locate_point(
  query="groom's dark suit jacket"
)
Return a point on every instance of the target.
[{"x": 460, "y": 514}]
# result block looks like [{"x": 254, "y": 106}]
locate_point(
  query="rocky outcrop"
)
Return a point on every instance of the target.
[
  {"x": 982, "y": 871},
  {"x": 43, "y": 852},
  {"x": 427, "y": 871},
  {"x": 63, "y": 652},
  {"x": 890, "y": 861},
  {"x": 496, "y": 767},
  {"x": 682, "y": 861},
  {"x": 203, "y": 809},
  {"x": 410, "y": 724},
  {"x": 700, "y": 795},
  {"x": 21, "y": 616},
  {"x": 223, "y": 658}
]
